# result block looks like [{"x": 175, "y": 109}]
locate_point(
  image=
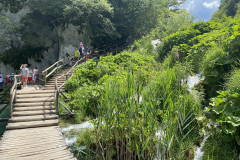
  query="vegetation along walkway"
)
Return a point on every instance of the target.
[{"x": 33, "y": 132}]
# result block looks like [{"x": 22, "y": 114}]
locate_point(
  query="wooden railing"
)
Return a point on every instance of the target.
[
  {"x": 55, "y": 68},
  {"x": 13, "y": 91},
  {"x": 59, "y": 92}
]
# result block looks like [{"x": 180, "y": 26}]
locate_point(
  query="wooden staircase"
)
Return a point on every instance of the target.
[
  {"x": 32, "y": 131},
  {"x": 34, "y": 107}
]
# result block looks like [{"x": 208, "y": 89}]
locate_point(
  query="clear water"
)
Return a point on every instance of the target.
[
  {"x": 199, "y": 151},
  {"x": 71, "y": 132}
]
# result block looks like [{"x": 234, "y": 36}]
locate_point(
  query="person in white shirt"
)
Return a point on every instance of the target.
[{"x": 35, "y": 74}]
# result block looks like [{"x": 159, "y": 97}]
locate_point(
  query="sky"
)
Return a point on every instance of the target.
[{"x": 201, "y": 9}]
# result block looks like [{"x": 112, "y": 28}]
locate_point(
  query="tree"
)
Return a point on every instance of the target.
[{"x": 227, "y": 8}]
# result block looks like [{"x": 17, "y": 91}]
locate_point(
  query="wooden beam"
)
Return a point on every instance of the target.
[
  {"x": 5, "y": 106},
  {"x": 65, "y": 107},
  {"x": 4, "y": 119}
]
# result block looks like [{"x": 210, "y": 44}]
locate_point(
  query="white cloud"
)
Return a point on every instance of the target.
[{"x": 211, "y": 5}]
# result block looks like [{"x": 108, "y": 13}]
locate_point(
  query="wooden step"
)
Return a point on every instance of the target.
[
  {"x": 54, "y": 83},
  {"x": 50, "y": 88},
  {"x": 51, "y": 85},
  {"x": 33, "y": 104},
  {"x": 35, "y": 95},
  {"x": 59, "y": 80},
  {"x": 32, "y": 124},
  {"x": 35, "y": 92},
  {"x": 29, "y": 100},
  {"x": 31, "y": 113},
  {"x": 33, "y": 118},
  {"x": 34, "y": 108}
]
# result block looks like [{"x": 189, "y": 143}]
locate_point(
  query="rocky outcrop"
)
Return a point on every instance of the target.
[{"x": 69, "y": 40}]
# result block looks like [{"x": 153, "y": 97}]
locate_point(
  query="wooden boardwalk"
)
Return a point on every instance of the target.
[{"x": 33, "y": 133}]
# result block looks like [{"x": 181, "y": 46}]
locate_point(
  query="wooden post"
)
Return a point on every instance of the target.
[
  {"x": 44, "y": 78},
  {"x": 11, "y": 105},
  {"x": 57, "y": 102},
  {"x": 57, "y": 67}
]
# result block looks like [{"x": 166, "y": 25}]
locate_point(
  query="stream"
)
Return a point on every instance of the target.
[{"x": 71, "y": 133}]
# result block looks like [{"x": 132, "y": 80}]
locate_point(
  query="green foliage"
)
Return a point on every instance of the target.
[
  {"x": 227, "y": 8},
  {"x": 220, "y": 146},
  {"x": 170, "y": 22},
  {"x": 233, "y": 85},
  {"x": 13, "y": 6},
  {"x": 225, "y": 110},
  {"x": 86, "y": 86},
  {"x": 211, "y": 48}
]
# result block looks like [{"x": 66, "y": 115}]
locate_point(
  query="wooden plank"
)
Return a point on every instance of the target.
[
  {"x": 3, "y": 108},
  {"x": 41, "y": 154},
  {"x": 33, "y": 141},
  {"x": 21, "y": 125},
  {"x": 29, "y": 100},
  {"x": 33, "y": 118},
  {"x": 33, "y": 104},
  {"x": 34, "y": 108},
  {"x": 34, "y": 92},
  {"x": 49, "y": 74},
  {"x": 4, "y": 119},
  {"x": 36, "y": 112},
  {"x": 35, "y": 95}
]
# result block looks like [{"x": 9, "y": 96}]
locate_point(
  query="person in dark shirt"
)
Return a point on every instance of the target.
[
  {"x": 81, "y": 50},
  {"x": 95, "y": 56}
]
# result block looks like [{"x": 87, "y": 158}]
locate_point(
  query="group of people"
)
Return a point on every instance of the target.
[
  {"x": 9, "y": 79},
  {"x": 28, "y": 75},
  {"x": 79, "y": 54}
]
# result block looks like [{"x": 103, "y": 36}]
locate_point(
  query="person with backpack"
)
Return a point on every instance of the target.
[{"x": 81, "y": 50}]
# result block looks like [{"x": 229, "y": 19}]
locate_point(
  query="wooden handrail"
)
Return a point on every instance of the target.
[
  {"x": 13, "y": 92},
  {"x": 58, "y": 91},
  {"x": 55, "y": 67}
]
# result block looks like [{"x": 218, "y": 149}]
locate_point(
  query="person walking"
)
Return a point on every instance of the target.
[
  {"x": 81, "y": 50},
  {"x": 96, "y": 56},
  {"x": 35, "y": 74},
  {"x": 88, "y": 53},
  {"x": 24, "y": 74},
  {"x": 12, "y": 78},
  {"x": 76, "y": 55},
  {"x": 30, "y": 76}
]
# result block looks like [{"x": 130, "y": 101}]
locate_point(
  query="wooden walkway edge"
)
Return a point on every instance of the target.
[{"x": 33, "y": 132}]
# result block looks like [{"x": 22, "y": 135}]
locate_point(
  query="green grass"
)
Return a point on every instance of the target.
[{"x": 221, "y": 146}]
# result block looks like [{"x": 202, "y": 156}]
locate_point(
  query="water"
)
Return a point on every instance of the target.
[
  {"x": 155, "y": 43},
  {"x": 159, "y": 134},
  {"x": 199, "y": 151},
  {"x": 71, "y": 132},
  {"x": 193, "y": 80}
]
